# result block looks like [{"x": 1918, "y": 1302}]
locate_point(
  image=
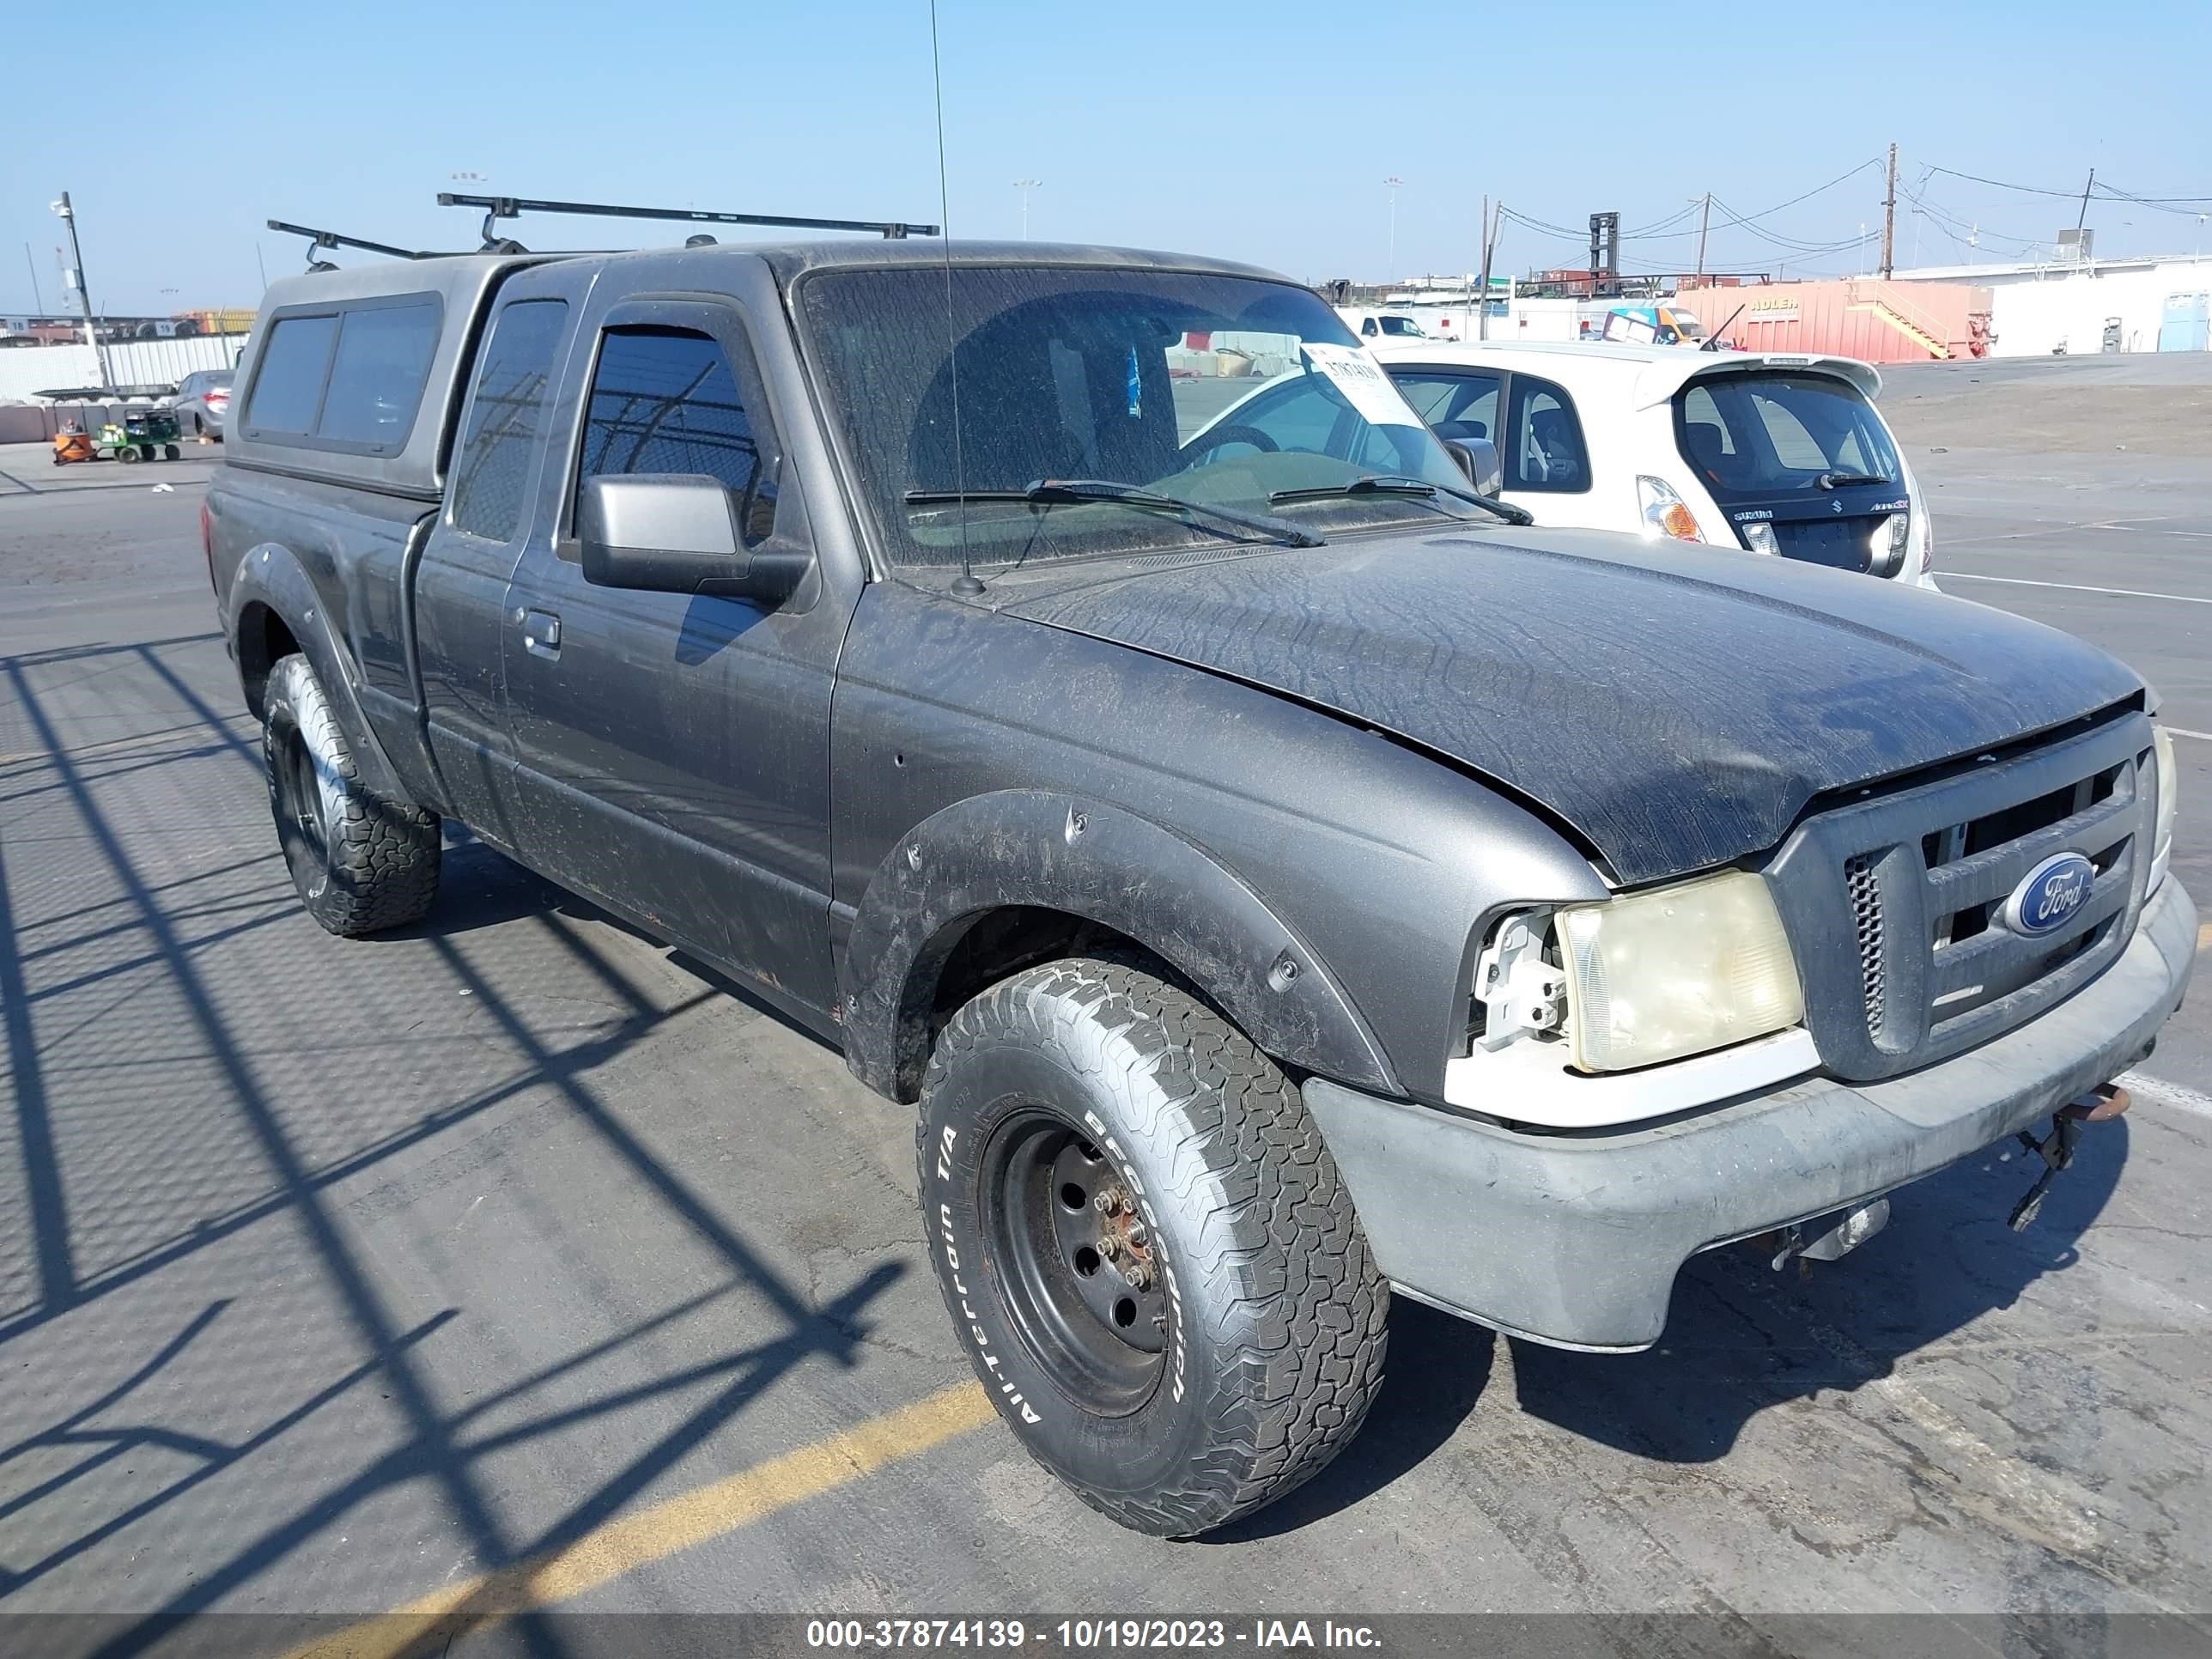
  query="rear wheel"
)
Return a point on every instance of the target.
[
  {"x": 127, "y": 455},
  {"x": 361, "y": 863},
  {"x": 1146, "y": 1245},
  {"x": 171, "y": 452}
]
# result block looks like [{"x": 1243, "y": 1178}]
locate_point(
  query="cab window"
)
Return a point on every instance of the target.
[
  {"x": 1545, "y": 451},
  {"x": 1461, "y": 405},
  {"x": 665, "y": 400},
  {"x": 514, "y": 380}
]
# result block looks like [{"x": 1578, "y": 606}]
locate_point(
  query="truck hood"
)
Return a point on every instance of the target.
[{"x": 1678, "y": 707}]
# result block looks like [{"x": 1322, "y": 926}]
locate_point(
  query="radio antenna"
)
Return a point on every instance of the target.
[{"x": 967, "y": 587}]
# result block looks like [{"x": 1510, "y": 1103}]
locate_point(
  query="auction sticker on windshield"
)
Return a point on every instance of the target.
[{"x": 1362, "y": 382}]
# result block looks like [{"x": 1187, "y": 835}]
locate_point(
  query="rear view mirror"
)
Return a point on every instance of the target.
[
  {"x": 1477, "y": 458},
  {"x": 668, "y": 532}
]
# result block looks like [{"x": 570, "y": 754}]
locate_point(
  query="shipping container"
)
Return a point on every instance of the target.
[{"x": 1862, "y": 316}]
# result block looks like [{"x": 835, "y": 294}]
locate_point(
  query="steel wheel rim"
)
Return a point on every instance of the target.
[
  {"x": 303, "y": 795},
  {"x": 1072, "y": 1301}
]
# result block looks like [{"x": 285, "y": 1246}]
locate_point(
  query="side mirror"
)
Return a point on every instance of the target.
[
  {"x": 1477, "y": 458},
  {"x": 668, "y": 532}
]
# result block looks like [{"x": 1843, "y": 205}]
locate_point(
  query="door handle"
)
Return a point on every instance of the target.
[{"x": 541, "y": 633}]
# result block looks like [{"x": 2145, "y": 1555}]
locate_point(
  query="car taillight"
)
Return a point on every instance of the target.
[
  {"x": 1888, "y": 547},
  {"x": 217, "y": 398},
  {"x": 1664, "y": 511}
]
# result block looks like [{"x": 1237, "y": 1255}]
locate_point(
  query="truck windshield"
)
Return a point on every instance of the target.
[
  {"x": 1753, "y": 437},
  {"x": 1224, "y": 391}
]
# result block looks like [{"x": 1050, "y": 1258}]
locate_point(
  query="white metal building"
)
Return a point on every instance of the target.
[{"x": 2089, "y": 305}]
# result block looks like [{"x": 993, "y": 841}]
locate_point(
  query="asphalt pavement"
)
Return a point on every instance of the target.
[{"x": 512, "y": 1268}]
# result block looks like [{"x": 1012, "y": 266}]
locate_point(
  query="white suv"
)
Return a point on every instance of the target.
[{"x": 1778, "y": 453}]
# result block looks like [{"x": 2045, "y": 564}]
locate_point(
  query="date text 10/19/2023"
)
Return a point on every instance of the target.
[{"x": 1084, "y": 1635}]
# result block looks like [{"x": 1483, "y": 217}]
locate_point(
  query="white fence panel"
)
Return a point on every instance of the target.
[{"x": 25, "y": 370}]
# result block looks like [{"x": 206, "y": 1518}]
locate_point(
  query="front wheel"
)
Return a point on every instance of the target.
[
  {"x": 1146, "y": 1245},
  {"x": 361, "y": 863}
]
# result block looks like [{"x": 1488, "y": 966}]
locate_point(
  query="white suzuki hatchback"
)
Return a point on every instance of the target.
[{"x": 1778, "y": 453}]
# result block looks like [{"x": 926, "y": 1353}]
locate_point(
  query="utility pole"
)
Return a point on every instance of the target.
[
  {"x": 2083, "y": 217},
  {"x": 1889, "y": 218},
  {"x": 1393, "y": 182},
  {"x": 1489, "y": 251},
  {"x": 1704, "y": 218},
  {"x": 1482, "y": 282},
  {"x": 1026, "y": 185},
  {"x": 77, "y": 272}
]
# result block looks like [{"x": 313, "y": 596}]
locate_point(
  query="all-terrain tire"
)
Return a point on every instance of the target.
[
  {"x": 362, "y": 863},
  {"x": 1273, "y": 1314}
]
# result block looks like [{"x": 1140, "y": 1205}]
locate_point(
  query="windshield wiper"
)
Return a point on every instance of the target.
[
  {"x": 1839, "y": 480},
  {"x": 1061, "y": 492},
  {"x": 1392, "y": 483}
]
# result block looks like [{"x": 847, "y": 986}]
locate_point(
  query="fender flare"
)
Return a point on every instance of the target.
[
  {"x": 271, "y": 575},
  {"x": 1058, "y": 852}
]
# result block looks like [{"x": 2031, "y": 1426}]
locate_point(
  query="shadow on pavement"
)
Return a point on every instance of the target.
[
  {"x": 1438, "y": 1370},
  {"x": 436, "y": 1443},
  {"x": 1742, "y": 1338}
]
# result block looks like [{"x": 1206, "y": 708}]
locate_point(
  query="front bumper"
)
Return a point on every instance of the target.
[{"x": 1575, "y": 1240}]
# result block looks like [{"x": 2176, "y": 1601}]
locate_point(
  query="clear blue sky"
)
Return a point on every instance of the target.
[{"x": 1261, "y": 131}]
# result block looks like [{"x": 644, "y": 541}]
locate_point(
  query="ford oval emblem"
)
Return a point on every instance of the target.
[{"x": 2049, "y": 896}]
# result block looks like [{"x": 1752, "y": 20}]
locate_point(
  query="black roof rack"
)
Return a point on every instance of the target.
[
  {"x": 332, "y": 239},
  {"x": 513, "y": 207}
]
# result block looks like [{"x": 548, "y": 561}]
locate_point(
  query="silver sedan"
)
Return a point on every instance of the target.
[{"x": 203, "y": 399}]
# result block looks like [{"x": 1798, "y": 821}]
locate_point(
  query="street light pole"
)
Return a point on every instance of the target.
[
  {"x": 68, "y": 215},
  {"x": 1026, "y": 185},
  {"x": 1393, "y": 182}
]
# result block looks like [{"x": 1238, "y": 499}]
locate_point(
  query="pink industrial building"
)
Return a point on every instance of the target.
[{"x": 1864, "y": 317}]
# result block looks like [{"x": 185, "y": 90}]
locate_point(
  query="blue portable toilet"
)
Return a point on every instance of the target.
[{"x": 2185, "y": 324}]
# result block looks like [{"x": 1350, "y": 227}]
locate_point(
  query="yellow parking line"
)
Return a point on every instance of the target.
[{"x": 428, "y": 1623}]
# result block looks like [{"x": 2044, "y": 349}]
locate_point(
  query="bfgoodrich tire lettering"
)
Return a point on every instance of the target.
[
  {"x": 361, "y": 863},
  {"x": 1258, "y": 1344}
]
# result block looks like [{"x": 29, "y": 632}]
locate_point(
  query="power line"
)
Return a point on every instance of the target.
[
  {"x": 2107, "y": 190},
  {"x": 1871, "y": 161},
  {"x": 1950, "y": 223},
  {"x": 1658, "y": 225},
  {"x": 2160, "y": 203},
  {"x": 1789, "y": 244},
  {"x": 1538, "y": 224}
]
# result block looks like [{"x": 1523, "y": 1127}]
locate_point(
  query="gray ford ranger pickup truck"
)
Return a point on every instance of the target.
[{"x": 1278, "y": 879}]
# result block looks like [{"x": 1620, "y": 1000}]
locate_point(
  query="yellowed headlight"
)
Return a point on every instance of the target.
[{"x": 1676, "y": 971}]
